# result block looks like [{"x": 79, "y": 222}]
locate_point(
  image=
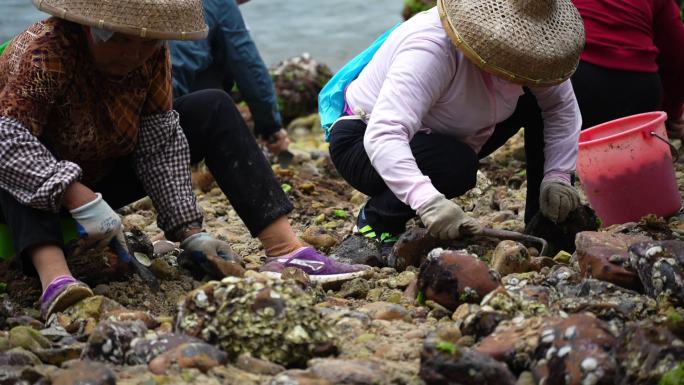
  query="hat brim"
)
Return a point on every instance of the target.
[
  {"x": 141, "y": 32},
  {"x": 497, "y": 70}
]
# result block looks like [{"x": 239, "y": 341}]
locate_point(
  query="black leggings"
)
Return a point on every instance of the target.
[
  {"x": 605, "y": 94},
  {"x": 450, "y": 164},
  {"x": 216, "y": 133}
]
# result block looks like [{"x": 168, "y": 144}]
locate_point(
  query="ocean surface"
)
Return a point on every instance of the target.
[{"x": 332, "y": 31}]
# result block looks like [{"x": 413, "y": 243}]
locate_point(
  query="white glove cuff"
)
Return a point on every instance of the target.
[{"x": 98, "y": 200}]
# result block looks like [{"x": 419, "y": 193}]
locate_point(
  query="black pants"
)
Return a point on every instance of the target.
[
  {"x": 450, "y": 164},
  {"x": 605, "y": 94},
  {"x": 216, "y": 133}
]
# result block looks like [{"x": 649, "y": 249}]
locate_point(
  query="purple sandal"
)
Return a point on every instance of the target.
[
  {"x": 61, "y": 293},
  {"x": 319, "y": 267}
]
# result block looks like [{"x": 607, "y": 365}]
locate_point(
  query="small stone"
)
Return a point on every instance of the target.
[
  {"x": 85, "y": 372},
  {"x": 162, "y": 270},
  {"x": 356, "y": 288},
  {"x": 510, "y": 257},
  {"x": 386, "y": 311},
  {"x": 258, "y": 366},
  {"x": 18, "y": 357},
  {"x": 442, "y": 362},
  {"x": 24, "y": 321},
  {"x": 28, "y": 338},
  {"x": 319, "y": 238},
  {"x": 402, "y": 280},
  {"x": 451, "y": 278},
  {"x": 563, "y": 257}
]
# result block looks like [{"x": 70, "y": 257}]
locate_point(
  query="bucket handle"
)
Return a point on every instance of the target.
[{"x": 673, "y": 149}]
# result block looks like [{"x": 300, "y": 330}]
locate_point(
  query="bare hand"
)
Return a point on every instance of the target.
[{"x": 278, "y": 142}]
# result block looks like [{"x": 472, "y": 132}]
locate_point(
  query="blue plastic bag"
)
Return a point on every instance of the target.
[{"x": 331, "y": 97}]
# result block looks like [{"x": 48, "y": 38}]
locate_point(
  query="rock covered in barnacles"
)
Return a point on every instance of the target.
[
  {"x": 111, "y": 341},
  {"x": 270, "y": 319},
  {"x": 646, "y": 352},
  {"x": 514, "y": 342},
  {"x": 660, "y": 266},
  {"x": 576, "y": 351},
  {"x": 605, "y": 256},
  {"x": 510, "y": 257},
  {"x": 297, "y": 83},
  {"x": 473, "y": 320},
  {"x": 452, "y": 278},
  {"x": 605, "y": 300},
  {"x": 445, "y": 363}
]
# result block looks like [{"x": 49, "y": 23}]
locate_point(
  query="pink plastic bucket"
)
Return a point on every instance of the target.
[{"x": 625, "y": 167}]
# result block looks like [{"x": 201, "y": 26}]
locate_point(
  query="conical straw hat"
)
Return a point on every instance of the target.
[
  {"x": 153, "y": 19},
  {"x": 529, "y": 42}
]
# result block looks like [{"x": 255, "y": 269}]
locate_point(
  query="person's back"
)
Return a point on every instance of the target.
[{"x": 631, "y": 62}]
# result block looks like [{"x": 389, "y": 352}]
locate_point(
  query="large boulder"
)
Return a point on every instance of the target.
[
  {"x": 660, "y": 265},
  {"x": 270, "y": 319}
]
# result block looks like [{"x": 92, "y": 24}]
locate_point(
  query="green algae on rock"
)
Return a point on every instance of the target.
[{"x": 270, "y": 319}]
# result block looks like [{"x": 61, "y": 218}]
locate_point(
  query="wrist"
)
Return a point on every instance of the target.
[
  {"x": 183, "y": 232},
  {"x": 78, "y": 195}
]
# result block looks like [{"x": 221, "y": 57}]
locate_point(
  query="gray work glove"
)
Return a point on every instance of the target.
[
  {"x": 557, "y": 199},
  {"x": 213, "y": 256},
  {"x": 446, "y": 220}
]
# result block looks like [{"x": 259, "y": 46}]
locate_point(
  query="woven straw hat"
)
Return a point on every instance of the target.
[
  {"x": 153, "y": 19},
  {"x": 529, "y": 42}
]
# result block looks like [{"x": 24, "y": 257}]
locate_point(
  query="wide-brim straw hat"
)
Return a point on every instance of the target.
[
  {"x": 528, "y": 42},
  {"x": 152, "y": 19}
]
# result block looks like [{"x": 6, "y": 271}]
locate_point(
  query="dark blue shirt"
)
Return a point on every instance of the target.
[{"x": 228, "y": 55}]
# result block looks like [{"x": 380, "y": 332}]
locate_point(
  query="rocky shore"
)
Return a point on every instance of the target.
[{"x": 601, "y": 307}]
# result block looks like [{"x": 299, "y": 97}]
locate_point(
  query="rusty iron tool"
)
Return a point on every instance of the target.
[{"x": 516, "y": 236}]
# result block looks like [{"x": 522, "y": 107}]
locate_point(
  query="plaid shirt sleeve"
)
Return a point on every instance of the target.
[
  {"x": 162, "y": 163},
  {"x": 29, "y": 172}
]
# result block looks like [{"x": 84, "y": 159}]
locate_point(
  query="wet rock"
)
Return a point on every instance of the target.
[
  {"x": 446, "y": 363},
  {"x": 18, "y": 357},
  {"x": 514, "y": 342},
  {"x": 298, "y": 377},
  {"x": 576, "y": 351},
  {"x": 660, "y": 266},
  {"x": 510, "y": 257},
  {"x": 198, "y": 355},
  {"x": 83, "y": 317},
  {"x": 605, "y": 256},
  {"x": 152, "y": 345},
  {"x": 297, "y": 83},
  {"x": 451, "y": 278},
  {"x": 357, "y": 288},
  {"x": 257, "y": 366},
  {"x": 58, "y": 355},
  {"x": 85, "y": 372},
  {"x": 162, "y": 270},
  {"x": 562, "y": 236},
  {"x": 123, "y": 315},
  {"x": 475, "y": 321},
  {"x": 411, "y": 249},
  {"x": 607, "y": 301},
  {"x": 28, "y": 338},
  {"x": 403, "y": 280},
  {"x": 24, "y": 321},
  {"x": 647, "y": 352},
  {"x": 271, "y": 320},
  {"x": 319, "y": 238},
  {"x": 111, "y": 341},
  {"x": 386, "y": 311},
  {"x": 357, "y": 249},
  {"x": 539, "y": 263}
]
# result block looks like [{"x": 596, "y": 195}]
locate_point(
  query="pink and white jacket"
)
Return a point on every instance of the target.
[{"x": 419, "y": 82}]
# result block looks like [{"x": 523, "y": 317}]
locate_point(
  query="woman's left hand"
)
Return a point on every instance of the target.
[
  {"x": 213, "y": 256},
  {"x": 557, "y": 199},
  {"x": 278, "y": 142}
]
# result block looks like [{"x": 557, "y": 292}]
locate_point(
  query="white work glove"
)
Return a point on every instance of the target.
[
  {"x": 98, "y": 227},
  {"x": 446, "y": 220},
  {"x": 557, "y": 199}
]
